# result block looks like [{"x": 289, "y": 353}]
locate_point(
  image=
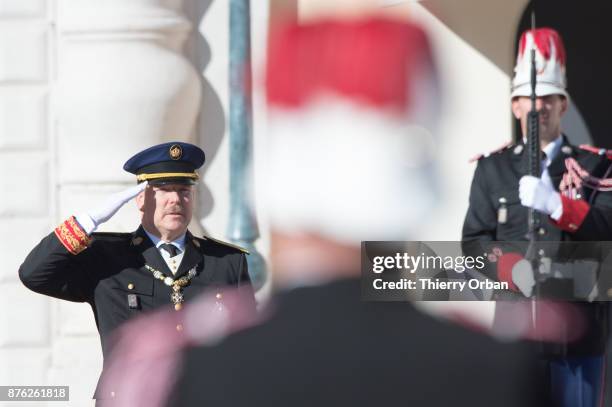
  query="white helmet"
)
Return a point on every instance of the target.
[{"x": 550, "y": 64}]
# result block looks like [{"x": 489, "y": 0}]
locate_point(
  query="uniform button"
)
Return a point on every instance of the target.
[
  {"x": 541, "y": 252},
  {"x": 130, "y": 286},
  {"x": 112, "y": 394},
  {"x": 541, "y": 231},
  {"x": 179, "y": 327},
  {"x": 219, "y": 296},
  {"x": 572, "y": 226},
  {"x": 609, "y": 292}
]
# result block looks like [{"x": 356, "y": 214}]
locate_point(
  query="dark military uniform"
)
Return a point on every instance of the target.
[
  {"x": 322, "y": 346},
  {"x": 495, "y": 213},
  {"x": 112, "y": 269}
]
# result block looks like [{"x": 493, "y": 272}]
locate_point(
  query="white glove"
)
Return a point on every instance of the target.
[
  {"x": 539, "y": 194},
  {"x": 91, "y": 220},
  {"x": 522, "y": 277}
]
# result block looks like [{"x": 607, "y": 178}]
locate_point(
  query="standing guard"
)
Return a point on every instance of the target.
[{"x": 497, "y": 212}]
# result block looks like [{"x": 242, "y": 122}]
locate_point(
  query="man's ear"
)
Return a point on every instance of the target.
[
  {"x": 564, "y": 104},
  {"x": 140, "y": 200}
]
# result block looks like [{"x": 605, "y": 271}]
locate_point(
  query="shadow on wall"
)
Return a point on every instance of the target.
[
  {"x": 584, "y": 28},
  {"x": 488, "y": 26},
  {"x": 211, "y": 125},
  {"x": 493, "y": 28}
]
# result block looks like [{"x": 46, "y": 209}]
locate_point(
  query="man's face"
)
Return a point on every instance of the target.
[
  {"x": 551, "y": 108},
  {"x": 166, "y": 209}
]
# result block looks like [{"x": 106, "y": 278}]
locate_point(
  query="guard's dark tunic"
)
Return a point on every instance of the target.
[
  {"x": 495, "y": 213},
  {"x": 496, "y": 182},
  {"x": 112, "y": 268},
  {"x": 323, "y": 346}
]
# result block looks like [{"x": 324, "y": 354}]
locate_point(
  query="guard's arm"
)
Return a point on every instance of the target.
[
  {"x": 585, "y": 222},
  {"x": 480, "y": 221},
  {"x": 57, "y": 265}
]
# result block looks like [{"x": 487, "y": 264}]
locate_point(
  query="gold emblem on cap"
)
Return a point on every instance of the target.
[{"x": 176, "y": 152}]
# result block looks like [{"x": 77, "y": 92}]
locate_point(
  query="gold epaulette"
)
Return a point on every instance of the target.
[
  {"x": 242, "y": 249},
  {"x": 503, "y": 147}
]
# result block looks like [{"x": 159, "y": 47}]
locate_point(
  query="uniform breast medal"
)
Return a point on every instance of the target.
[{"x": 176, "y": 296}]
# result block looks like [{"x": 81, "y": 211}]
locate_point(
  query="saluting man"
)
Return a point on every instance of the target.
[
  {"x": 122, "y": 275},
  {"x": 498, "y": 209}
]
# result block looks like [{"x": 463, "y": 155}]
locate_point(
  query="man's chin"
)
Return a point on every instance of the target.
[{"x": 176, "y": 227}]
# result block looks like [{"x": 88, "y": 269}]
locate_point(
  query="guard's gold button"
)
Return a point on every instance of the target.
[
  {"x": 219, "y": 296},
  {"x": 541, "y": 231},
  {"x": 179, "y": 327},
  {"x": 573, "y": 226},
  {"x": 130, "y": 286},
  {"x": 112, "y": 394}
]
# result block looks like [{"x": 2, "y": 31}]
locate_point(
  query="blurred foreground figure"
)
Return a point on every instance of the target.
[{"x": 348, "y": 161}]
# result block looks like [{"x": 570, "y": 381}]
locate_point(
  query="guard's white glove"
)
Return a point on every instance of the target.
[
  {"x": 523, "y": 278},
  {"x": 539, "y": 194},
  {"x": 91, "y": 220}
]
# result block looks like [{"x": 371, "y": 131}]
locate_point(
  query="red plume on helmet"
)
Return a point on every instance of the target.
[
  {"x": 550, "y": 58},
  {"x": 545, "y": 39}
]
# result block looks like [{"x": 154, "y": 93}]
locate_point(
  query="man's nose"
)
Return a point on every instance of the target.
[
  {"x": 173, "y": 196},
  {"x": 540, "y": 104}
]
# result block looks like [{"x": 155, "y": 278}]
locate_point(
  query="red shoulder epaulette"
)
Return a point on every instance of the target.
[
  {"x": 504, "y": 146},
  {"x": 597, "y": 150}
]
